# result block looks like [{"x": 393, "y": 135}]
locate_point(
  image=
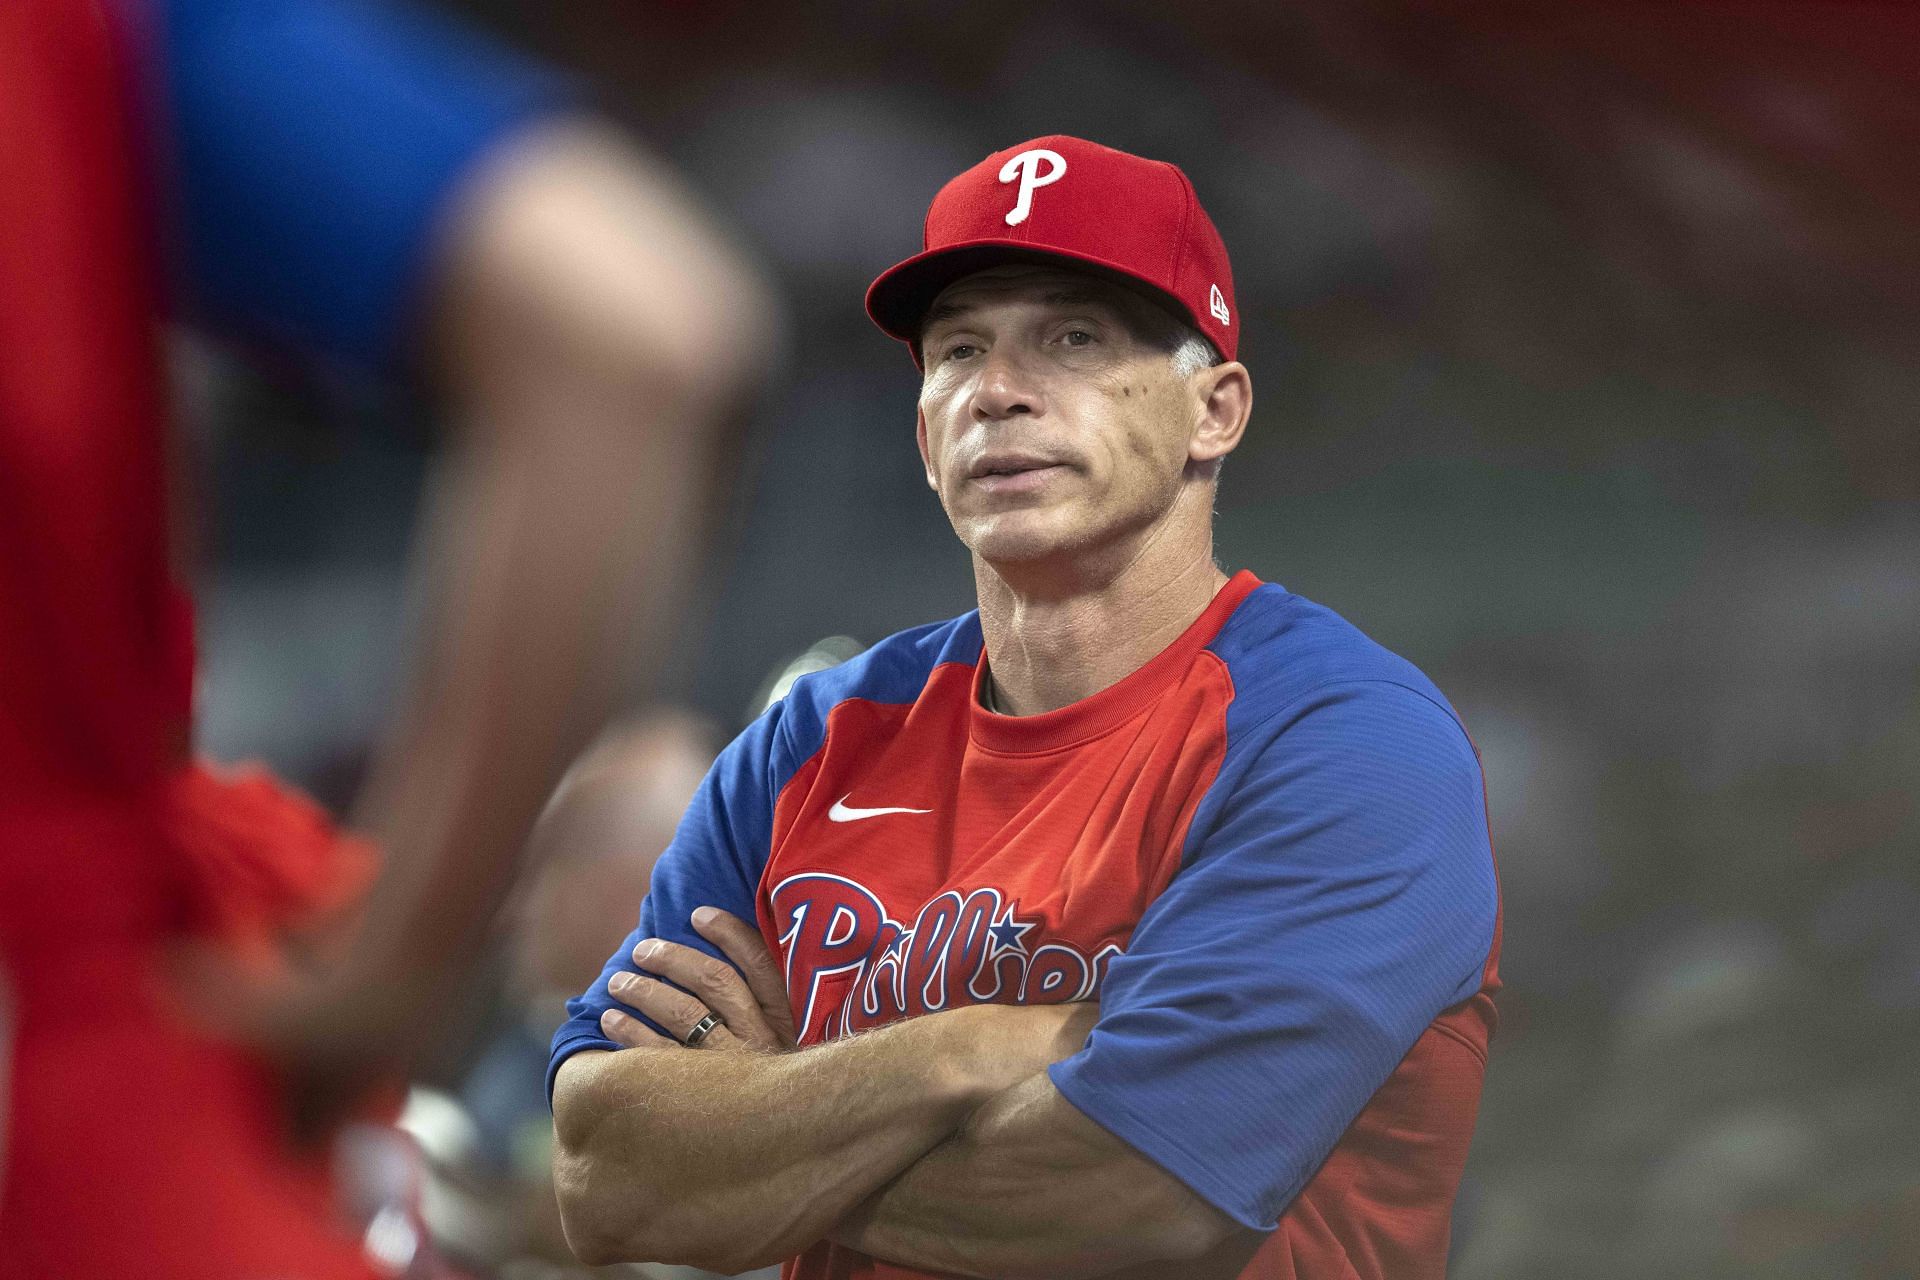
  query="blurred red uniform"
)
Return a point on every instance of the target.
[{"x": 137, "y": 1144}]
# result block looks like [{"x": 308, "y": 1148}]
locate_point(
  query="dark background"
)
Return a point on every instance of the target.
[{"x": 1582, "y": 347}]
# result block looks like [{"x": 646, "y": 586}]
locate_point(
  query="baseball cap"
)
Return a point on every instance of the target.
[{"x": 1057, "y": 199}]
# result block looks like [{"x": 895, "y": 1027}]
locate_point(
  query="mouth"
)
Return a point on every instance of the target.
[
  {"x": 1015, "y": 482},
  {"x": 1000, "y": 466}
]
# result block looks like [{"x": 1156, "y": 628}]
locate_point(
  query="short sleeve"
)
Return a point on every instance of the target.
[
  {"x": 715, "y": 860},
  {"x": 314, "y": 147},
  {"x": 1337, "y": 894}
]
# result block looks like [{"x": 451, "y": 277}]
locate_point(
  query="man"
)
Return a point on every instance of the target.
[
  {"x": 1254, "y": 837},
  {"x": 363, "y": 182}
]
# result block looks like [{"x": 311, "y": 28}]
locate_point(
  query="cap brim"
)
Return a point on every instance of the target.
[{"x": 900, "y": 298}]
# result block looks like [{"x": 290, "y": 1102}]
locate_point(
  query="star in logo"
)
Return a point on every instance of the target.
[{"x": 1008, "y": 934}]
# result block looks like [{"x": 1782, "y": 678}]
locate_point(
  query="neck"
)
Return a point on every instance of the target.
[{"x": 1054, "y": 638}]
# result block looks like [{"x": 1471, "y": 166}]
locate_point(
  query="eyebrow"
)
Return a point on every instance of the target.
[{"x": 1058, "y": 298}]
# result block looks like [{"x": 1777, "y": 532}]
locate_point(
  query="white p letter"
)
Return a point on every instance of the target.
[{"x": 1027, "y": 165}]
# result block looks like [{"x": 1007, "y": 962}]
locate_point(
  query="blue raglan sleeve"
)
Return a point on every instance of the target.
[
  {"x": 1336, "y": 895},
  {"x": 312, "y": 149},
  {"x": 715, "y": 860}
]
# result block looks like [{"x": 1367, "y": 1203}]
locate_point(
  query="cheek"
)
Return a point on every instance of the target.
[
  {"x": 1145, "y": 449},
  {"x": 927, "y": 442},
  {"x": 1170, "y": 429},
  {"x": 938, "y": 455}
]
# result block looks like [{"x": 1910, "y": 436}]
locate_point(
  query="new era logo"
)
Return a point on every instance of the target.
[{"x": 1217, "y": 303}]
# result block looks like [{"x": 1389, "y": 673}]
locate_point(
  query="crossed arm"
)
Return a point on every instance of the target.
[{"x": 936, "y": 1143}]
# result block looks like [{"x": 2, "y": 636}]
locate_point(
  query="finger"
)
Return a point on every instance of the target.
[
  {"x": 713, "y": 982},
  {"x": 674, "y": 1011},
  {"x": 741, "y": 943},
  {"x": 629, "y": 1032}
]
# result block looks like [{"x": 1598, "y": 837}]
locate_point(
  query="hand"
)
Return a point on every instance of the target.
[
  {"x": 753, "y": 1010},
  {"x": 275, "y": 955},
  {"x": 334, "y": 1037}
]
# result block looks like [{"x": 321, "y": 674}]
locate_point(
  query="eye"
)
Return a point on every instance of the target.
[
  {"x": 959, "y": 351},
  {"x": 1078, "y": 338}
]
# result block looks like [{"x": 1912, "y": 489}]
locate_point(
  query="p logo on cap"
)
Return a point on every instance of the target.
[{"x": 1027, "y": 165}]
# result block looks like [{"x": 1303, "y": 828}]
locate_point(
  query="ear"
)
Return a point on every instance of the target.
[
  {"x": 926, "y": 458},
  {"x": 1224, "y": 396}
]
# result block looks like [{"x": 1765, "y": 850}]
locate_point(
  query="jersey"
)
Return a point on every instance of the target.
[{"x": 1264, "y": 853}]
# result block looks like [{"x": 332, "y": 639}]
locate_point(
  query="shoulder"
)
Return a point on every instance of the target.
[
  {"x": 1288, "y": 656},
  {"x": 1338, "y": 748},
  {"x": 302, "y": 134}
]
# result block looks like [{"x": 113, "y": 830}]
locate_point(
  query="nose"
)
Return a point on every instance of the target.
[{"x": 1006, "y": 387}]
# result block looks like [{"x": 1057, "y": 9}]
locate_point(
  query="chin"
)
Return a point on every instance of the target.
[{"x": 1020, "y": 539}]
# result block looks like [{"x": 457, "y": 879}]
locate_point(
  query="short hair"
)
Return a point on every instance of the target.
[
  {"x": 1157, "y": 324},
  {"x": 1194, "y": 353}
]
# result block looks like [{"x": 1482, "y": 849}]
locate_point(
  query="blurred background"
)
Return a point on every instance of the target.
[{"x": 1582, "y": 339}]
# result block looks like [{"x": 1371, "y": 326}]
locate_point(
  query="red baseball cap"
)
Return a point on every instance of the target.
[{"x": 1060, "y": 198}]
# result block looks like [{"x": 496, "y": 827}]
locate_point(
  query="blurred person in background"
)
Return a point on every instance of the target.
[
  {"x": 592, "y": 854},
  {"x": 1230, "y": 854},
  {"x": 594, "y": 848},
  {"x": 368, "y": 184}
]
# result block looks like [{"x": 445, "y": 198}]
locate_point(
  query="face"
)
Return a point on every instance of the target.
[{"x": 1052, "y": 420}]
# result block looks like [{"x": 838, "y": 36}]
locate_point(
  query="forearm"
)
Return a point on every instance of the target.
[
  {"x": 582, "y": 341},
  {"x": 1031, "y": 1187},
  {"x": 735, "y": 1160},
  {"x": 525, "y": 563}
]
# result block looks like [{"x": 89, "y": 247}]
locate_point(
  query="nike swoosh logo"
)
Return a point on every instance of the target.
[{"x": 841, "y": 813}]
